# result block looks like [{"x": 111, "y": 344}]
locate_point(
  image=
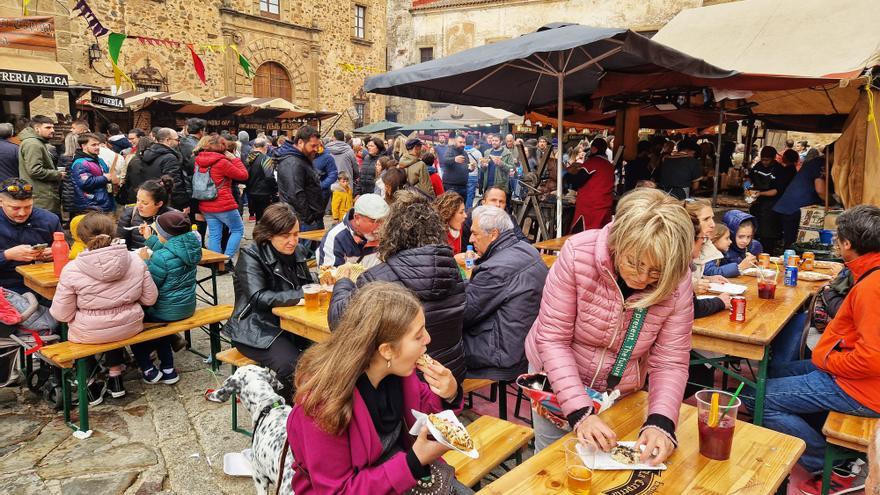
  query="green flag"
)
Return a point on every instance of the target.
[
  {"x": 114, "y": 45},
  {"x": 244, "y": 64}
]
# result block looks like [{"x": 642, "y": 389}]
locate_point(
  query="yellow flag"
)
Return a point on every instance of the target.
[
  {"x": 24, "y": 6},
  {"x": 119, "y": 75}
]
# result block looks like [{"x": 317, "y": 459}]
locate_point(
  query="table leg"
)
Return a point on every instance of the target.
[
  {"x": 214, "y": 337},
  {"x": 502, "y": 400},
  {"x": 82, "y": 387},
  {"x": 761, "y": 388},
  {"x": 65, "y": 394},
  {"x": 214, "y": 296}
]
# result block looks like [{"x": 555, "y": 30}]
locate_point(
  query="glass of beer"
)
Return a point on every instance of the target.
[
  {"x": 578, "y": 477},
  {"x": 326, "y": 292},
  {"x": 312, "y": 296}
]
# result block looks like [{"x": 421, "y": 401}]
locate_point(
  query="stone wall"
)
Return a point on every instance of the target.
[
  {"x": 459, "y": 25},
  {"x": 309, "y": 39}
]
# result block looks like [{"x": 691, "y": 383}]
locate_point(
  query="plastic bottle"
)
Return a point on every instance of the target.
[
  {"x": 469, "y": 257},
  {"x": 60, "y": 252},
  {"x": 195, "y": 230}
]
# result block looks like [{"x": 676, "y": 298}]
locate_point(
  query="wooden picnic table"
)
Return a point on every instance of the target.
[
  {"x": 750, "y": 339},
  {"x": 551, "y": 244},
  {"x": 760, "y": 461},
  {"x": 309, "y": 323},
  {"x": 312, "y": 235},
  {"x": 40, "y": 277}
]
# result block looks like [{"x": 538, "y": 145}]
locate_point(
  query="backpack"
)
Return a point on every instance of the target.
[{"x": 203, "y": 187}]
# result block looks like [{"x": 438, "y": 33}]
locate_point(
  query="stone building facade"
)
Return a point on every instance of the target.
[
  {"x": 314, "y": 54},
  {"x": 421, "y": 30}
]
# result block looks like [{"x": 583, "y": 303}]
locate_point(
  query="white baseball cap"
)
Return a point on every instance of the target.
[{"x": 372, "y": 206}]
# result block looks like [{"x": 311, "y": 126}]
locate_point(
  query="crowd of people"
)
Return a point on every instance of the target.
[{"x": 443, "y": 274}]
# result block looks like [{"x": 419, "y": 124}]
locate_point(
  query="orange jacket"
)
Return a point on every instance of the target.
[{"x": 850, "y": 347}]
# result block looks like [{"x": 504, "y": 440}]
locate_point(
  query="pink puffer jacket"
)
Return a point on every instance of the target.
[
  {"x": 100, "y": 294},
  {"x": 582, "y": 323}
]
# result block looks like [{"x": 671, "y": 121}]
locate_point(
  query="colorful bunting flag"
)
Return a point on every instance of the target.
[
  {"x": 24, "y": 6},
  {"x": 114, "y": 45},
  {"x": 242, "y": 61},
  {"x": 198, "y": 64},
  {"x": 85, "y": 11}
]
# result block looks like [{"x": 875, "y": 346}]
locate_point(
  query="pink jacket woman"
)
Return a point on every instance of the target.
[
  {"x": 347, "y": 463},
  {"x": 100, "y": 295},
  {"x": 582, "y": 323}
]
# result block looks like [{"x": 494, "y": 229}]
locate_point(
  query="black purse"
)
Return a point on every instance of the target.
[{"x": 439, "y": 483}]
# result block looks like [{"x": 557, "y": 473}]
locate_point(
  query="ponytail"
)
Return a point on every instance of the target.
[
  {"x": 159, "y": 189},
  {"x": 96, "y": 230}
]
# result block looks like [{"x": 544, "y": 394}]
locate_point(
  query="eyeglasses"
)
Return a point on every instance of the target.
[
  {"x": 14, "y": 188},
  {"x": 631, "y": 265}
]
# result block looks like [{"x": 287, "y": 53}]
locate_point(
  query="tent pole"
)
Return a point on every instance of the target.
[
  {"x": 717, "y": 161},
  {"x": 559, "y": 128},
  {"x": 828, "y": 181}
]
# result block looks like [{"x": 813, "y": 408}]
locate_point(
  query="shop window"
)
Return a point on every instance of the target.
[
  {"x": 426, "y": 54},
  {"x": 272, "y": 81},
  {"x": 270, "y": 8},
  {"x": 360, "y": 21}
]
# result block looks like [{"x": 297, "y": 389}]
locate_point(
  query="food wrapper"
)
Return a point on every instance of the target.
[
  {"x": 422, "y": 419},
  {"x": 536, "y": 386},
  {"x": 598, "y": 460}
]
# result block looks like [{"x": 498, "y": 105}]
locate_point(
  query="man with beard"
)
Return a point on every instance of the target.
[{"x": 355, "y": 238}]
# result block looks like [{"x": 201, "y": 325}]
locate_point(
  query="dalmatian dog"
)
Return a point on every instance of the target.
[{"x": 256, "y": 386}]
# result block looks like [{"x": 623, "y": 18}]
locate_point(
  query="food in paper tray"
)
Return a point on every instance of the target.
[
  {"x": 625, "y": 455},
  {"x": 454, "y": 433},
  {"x": 813, "y": 276},
  {"x": 328, "y": 275}
]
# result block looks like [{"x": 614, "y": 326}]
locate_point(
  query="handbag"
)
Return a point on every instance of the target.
[{"x": 439, "y": 483}]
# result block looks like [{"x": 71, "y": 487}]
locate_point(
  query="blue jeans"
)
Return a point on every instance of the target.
[
  {"x": 232, "y": 220},
  {"x": 473, "y": 180},
  {"x": 786, "y": 346},
  {"x": 162, "y": 346},
  {"x": 798, "y": 403}
]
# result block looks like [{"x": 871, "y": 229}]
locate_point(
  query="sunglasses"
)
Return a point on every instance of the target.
[{"x": 14, "y": 188}]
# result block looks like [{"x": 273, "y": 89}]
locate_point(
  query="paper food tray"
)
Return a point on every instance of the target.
[
  {"x": 422, "y": 419},
  {"x": 598, "y": 460},
  {"x": 732, "y": 289},
  {"x": 753, "y": 272},
  {"x": 237, "y": 463}
]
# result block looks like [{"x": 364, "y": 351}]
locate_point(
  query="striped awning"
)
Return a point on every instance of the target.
[
  {"x": 250, "y": 105},
  {"x": 188, "y": 103}
]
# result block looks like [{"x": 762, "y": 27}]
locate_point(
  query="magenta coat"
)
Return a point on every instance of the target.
[
  {"x": 346, "y": 463},
  {"x": 582, "y": 323}
]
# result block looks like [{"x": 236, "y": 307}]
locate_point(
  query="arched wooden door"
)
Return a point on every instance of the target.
[{"x": 272, "y": 81}]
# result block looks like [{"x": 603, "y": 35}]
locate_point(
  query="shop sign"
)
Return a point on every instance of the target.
[
  {"x": 33, "y": 79},
  {"x": 29, "y": 33},
  {"x": 107, "y": 100},
  {"x": 525, "y": 129}
]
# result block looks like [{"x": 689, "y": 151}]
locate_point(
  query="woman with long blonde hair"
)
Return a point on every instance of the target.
[
  {"x": 627, "y": 282},
  {"x": 355, "y": 392}
]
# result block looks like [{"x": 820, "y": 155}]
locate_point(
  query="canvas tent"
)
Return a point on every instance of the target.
[
  {"x": 828, "y": 39},
  {"x": 474, "y": 116}
]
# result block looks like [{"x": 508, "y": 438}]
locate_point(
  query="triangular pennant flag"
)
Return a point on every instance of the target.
[
  {"x": 245, "y": 65},
  {"x": 24, "y": 6},
  {"x": 198, "y": 65},
  {"x": 114, "y": 44}
]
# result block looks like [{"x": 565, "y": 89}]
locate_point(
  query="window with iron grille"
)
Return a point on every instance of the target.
[
  {"x": 360, "y": 21},
  {"x": 360, "y": 108}
]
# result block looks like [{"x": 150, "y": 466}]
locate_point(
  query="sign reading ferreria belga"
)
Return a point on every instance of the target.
[{"x": 29, "y": 33}]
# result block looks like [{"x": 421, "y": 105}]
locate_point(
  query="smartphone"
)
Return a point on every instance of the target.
[{"x": 39, "y": 247}]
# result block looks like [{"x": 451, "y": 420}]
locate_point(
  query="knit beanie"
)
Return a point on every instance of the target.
[{"x": 172, "y": 223}]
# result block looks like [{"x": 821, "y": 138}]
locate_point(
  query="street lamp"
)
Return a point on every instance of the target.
[{"x": 94, "y": 54}]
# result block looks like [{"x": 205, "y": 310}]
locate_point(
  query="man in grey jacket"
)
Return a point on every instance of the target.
[{"x": 343, "y": 155}]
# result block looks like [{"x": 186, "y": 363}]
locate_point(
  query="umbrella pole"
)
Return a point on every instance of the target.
[
  {"x": 717, "y": 161},
  {"x": 559, "y": 125}
]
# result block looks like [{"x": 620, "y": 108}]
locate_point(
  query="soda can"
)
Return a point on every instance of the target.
[
  {"x": 764, "y": 260},
  {"x": 791, "y": 276},
  {"x": 738, "y": 308},
  {"x": 809, "y": 262},
  {"x": 794, "y": 260},
  {"x": 785, "y": 255}
]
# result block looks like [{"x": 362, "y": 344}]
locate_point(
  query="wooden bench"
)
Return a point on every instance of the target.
[
  {"x": 235, "y": 360},
  {"x": 846, "y": 436},
  {"x": 497, "y": 441},
  {"x": 67, "y": 354}
]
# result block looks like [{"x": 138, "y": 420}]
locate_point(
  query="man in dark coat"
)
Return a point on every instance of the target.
[
  {"x": 503, "y": 297},
  {"x": 164, "y": 154},
  {"x": 298, "y": 183},
  {"x": 455, "y": 167},
  {"x": 8, "y": 153}
]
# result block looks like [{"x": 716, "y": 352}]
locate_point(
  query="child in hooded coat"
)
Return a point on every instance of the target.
[{"x": 742, "y": 230}]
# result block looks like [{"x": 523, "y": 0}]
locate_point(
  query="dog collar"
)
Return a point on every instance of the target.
[{"x": 263, "y": 413}]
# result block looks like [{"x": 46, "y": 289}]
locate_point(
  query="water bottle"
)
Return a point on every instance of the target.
[
  {"x": 469, "y": 257},
  {"x": 60, "y": 252},
  {"x": 195, "y": 230}
]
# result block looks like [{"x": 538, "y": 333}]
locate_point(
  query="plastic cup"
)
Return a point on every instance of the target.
[
  {"x": 326, "y": 292},
  {"x": 716, "y": 441},
  {"x": 578, "y": 478},
  {"x": 767, "y": 288},
  {"x": 312, "y": 295}
]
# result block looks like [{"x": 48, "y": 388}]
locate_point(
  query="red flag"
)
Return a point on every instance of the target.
[{"x": 198, "y": 64}]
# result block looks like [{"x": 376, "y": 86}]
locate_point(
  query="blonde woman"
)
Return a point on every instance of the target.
[
  {"x": 348, "y": 430},
  {"x": 639, "y": 265}
]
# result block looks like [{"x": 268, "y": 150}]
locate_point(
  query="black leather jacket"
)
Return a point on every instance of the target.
[{"x": 262, "y": 283}]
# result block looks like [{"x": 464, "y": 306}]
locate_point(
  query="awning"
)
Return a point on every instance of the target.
[
  {"x": 36, "y": 72},
  {"x": 474, "y": 116},
  {"x": 185, "y": 102},
  {"x": 250, "y": 105}
]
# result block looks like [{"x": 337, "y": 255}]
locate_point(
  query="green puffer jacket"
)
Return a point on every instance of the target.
[
  {"x": 173, "y": 267},
  {"x": 35, "y": 165}
]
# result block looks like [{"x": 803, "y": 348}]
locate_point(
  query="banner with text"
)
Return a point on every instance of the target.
[{"x": 29, "y": 33}]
